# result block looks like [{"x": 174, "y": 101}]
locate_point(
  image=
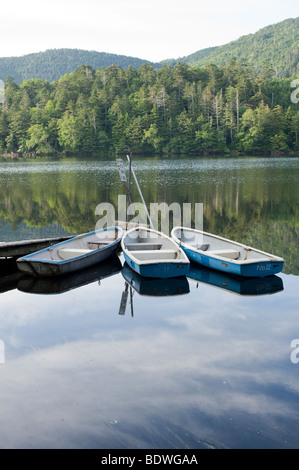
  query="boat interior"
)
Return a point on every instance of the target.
[
  {"x": 81, "y": 245},
  {"x": 216, "y": 246},
  {"x": 145, "y": 245}
]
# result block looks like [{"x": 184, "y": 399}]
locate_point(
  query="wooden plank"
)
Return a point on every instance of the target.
[{"x": 25, "y": 247}]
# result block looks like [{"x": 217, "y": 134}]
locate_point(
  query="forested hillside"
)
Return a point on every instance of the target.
[
  {"x": 179, "y": 109},
  {"x": 52, "y": 64},
  {"x": 275, "y": 46}
]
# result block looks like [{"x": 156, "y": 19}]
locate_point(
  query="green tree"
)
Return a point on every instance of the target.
[
  {"x": 69, "y": 133},
  {"x": 38, "y": 139}
]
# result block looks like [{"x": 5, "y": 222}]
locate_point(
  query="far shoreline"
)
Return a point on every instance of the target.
[{"x": 33, "y": 155}]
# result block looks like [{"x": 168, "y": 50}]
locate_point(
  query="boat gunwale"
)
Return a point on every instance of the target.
[
  {"x": 31, "y": 259},
  {"x": 272, "y": 258},
  {"x": 130, "y": 254}
]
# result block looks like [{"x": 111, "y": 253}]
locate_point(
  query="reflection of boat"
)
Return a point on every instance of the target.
[
  {"x": 60, "y": 284},
  {"x": 237, "y": 284},
  {"x": 74, "y": 254},
  {"x": 226, "y": 255},
  {"x": 154, "y": 286},
  {"x": 153, "y": 254},
  {"x": 10, "y": 275}
]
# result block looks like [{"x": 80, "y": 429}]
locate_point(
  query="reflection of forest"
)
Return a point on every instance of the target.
[{"x": 259, "y": 209}]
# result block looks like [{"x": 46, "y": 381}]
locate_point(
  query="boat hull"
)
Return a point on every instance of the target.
[
  {"x": 254, "y": 269},
  {"x": 35, "y": 264},
  {"x": 158, "y": 269},
  {"x": 153, "y": 254}
]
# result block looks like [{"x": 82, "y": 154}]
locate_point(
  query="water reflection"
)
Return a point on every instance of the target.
[
  {"x": 210, "y": 373},
  {"x": 9, "y": 275},
  {"x": 236, "y": 284},
  {"x": 155, "y": 287},
  {"x": 202, "y": 370},
  {"x": 60, "y": 284},
  {"x": 252, "y": 200},
  {"x": 11, "y": 278}
]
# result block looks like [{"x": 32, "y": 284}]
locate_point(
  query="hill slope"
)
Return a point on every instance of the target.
[
  {"x": 277, "y": 44},
  {"x": 53, "y": 63}
]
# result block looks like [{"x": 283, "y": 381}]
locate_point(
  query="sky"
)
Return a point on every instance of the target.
[{"x": 155, "y": 30}]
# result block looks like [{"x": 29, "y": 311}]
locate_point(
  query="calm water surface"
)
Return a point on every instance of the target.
[{"x": 210, "y": 365}]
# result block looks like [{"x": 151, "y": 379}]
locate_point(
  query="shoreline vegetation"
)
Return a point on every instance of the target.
[
  {"x": 181, "y": 110},
  {"x": 33, "y": 155}
]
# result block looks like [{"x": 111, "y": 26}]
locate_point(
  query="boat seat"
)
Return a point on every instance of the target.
[
  {"x": 203, "y": 247},
  {"x": 103, "y": 242},
  {"x": 200, "y": 247},
  {"x": 68, "y": 253},
  {"x": 155, "y": 254},
  {"x": 96, "y": 245},
  {"x": 143, "y": 246},
  {"x": 231, "y": 254}
]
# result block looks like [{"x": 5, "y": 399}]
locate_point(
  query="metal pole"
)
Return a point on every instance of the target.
[
  {"x": 130, "y": 172},
  {"x": 139, "y": 190},
  {"x": 123, "y": 177}
]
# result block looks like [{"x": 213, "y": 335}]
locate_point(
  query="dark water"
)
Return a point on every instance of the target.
[{"x": 213, "y": 364}]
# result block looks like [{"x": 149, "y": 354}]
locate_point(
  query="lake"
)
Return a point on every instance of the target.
[{"x": 108, "y": 361}]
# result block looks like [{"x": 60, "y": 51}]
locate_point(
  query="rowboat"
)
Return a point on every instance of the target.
[
  {"x": 155, "y": 287},
  {"x": 153, "y": 254},
  {"x": 225, "y": 255},
  {"x": 72, "y": 255}
]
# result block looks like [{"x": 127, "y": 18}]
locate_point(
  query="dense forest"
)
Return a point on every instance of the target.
[
  {"x": 180, "y": 109},
  {"x": 277, "y": 44}
]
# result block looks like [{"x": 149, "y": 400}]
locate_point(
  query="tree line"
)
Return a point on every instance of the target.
[
  {"x": 179, "y": 110},
  {"x": 51, "y": 64}
]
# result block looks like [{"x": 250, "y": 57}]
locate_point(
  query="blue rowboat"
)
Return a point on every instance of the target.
[
  {"x": 153, "y": 254},
  {"x": 72, "y": 255},
  {"x": 225, "y": 255}
]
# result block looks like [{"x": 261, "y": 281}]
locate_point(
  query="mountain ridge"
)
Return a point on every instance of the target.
[
  {"x": 51, "y": 64},
  {"x": 276, "y": 44}
]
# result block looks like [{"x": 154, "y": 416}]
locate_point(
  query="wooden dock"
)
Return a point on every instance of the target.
[{"x": 25, "y": 247}]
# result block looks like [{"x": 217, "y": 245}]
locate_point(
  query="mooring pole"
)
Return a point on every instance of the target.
[{"x": 139, "y": 190}]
